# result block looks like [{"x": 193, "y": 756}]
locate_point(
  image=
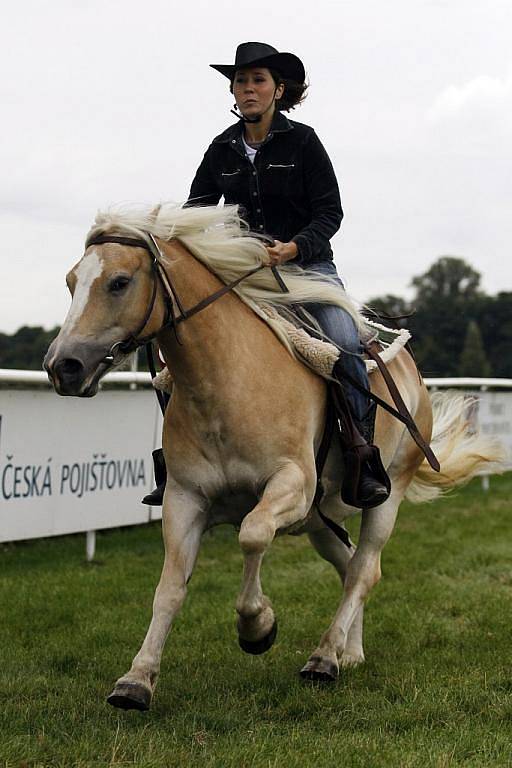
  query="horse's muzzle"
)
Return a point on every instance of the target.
[
  {"x": 73, "y": 374},
  {"x": 68, "y": 375}
]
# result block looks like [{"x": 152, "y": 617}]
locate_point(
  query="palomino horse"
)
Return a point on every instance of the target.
[{"x": 245, "y": 418}]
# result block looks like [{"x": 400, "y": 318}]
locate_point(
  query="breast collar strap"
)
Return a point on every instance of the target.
[{"x": 171, "y": 298}]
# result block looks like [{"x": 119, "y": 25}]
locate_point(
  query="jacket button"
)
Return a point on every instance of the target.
[
  {"x": 233, "y": 141},
  {"x": 260, "y": 226},
  {"x": 258, "y": 210},
  {"x": 254, "y": 173},
  {"x": 255, "y": 194}
]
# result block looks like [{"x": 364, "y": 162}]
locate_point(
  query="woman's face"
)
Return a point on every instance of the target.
[{"x": 254, "y": 91}]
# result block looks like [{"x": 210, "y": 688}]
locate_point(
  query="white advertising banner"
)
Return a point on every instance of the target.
[
  {"x": 72, "y": 464},
  {"x": 494, "y": 416},
  {"x": 69, "y": 464}
]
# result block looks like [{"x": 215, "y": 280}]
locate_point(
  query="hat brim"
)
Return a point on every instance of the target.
[
  {"x": 288, "y": 65},
  {"x": 228, "y": 70}
]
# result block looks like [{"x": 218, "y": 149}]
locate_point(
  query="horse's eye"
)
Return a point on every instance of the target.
[{"x": 118, "y": 284}]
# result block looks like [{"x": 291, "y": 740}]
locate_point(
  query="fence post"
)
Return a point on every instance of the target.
[
  {"x": 90, "y": 545},
  {"x": 485, "y": 478},
  {"x": 134, "y": 367}
]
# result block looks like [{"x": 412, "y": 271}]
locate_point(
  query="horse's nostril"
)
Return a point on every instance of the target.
[{"x": 69, "y": 367}]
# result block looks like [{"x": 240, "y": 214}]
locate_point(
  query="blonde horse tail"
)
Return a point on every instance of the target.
[{"x": 462, "y": 450}]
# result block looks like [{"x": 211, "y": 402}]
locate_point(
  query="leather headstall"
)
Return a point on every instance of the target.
[{"x": 172, "y": 320}]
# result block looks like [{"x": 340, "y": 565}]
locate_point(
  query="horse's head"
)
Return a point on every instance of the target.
[{"x": 112, "y": 289}]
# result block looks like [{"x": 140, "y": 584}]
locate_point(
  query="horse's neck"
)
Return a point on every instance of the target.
[{"x": 215, "y": 340}]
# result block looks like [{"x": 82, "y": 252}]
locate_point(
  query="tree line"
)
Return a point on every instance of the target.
[
  {"x": 457, "y": 329},
  {"x": 26, "y": 348}
]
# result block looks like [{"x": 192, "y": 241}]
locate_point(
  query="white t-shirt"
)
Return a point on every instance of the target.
[{"x": 249, "y": 151}]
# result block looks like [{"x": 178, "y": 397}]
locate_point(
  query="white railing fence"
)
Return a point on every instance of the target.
[{"x": 70, "y": 465}]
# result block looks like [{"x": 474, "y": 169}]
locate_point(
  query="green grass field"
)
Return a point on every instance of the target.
[{"x": 436, "y": 689}]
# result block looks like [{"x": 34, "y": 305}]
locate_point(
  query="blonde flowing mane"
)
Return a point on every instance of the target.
[{"x": 219, "y": 238}]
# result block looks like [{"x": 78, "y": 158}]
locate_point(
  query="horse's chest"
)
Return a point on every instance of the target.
[
  {"x": 232, "y": 486},
  {"x": 213, "y": 436},
  {"x": 229, "y": 452},
  {"x": 231, "y": 508}
]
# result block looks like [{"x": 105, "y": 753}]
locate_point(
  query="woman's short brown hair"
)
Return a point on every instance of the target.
[{"x": 294, "y": 92}]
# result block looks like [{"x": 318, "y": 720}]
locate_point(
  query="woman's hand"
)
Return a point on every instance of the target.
[{"x": 280, "y": 252}]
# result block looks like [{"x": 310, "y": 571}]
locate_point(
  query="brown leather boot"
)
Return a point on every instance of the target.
[
  {"x": 372, "y": 490},
  {"x": 156, "y": 497},
  {"x": 365, "y": 481}
]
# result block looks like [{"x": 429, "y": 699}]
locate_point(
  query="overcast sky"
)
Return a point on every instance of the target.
[{"x": 104, "y": 102}]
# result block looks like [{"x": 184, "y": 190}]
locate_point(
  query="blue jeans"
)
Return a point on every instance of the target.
[{"x": 339, "y": 326}]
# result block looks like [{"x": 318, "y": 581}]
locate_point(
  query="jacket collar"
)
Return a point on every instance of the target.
[{"x": 280, "y": 124}]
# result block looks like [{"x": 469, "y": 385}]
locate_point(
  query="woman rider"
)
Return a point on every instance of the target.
[{"x": 279, "y": 174}]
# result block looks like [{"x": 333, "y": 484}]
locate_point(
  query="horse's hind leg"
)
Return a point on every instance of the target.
[
  {"x": 329, "y": 546},
  {"x": 183, "y": 523},
  {"x": 284, "y": 502},
  {"x": 363, "y": 572}
]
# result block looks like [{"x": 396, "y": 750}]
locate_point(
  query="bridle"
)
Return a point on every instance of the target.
[{"x": 172, "y": 301}]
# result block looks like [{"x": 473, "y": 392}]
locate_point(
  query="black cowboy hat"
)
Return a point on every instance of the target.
[{"x": 260, "y": 54}]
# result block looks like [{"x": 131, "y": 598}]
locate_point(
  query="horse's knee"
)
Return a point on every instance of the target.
[{"x": 256, "y": 534}]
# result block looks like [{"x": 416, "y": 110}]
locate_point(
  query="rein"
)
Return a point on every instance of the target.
[{"x": 134, "y": 340}]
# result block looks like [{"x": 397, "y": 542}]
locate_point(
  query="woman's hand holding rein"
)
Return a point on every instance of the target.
[{"x": 280, "y": 252}]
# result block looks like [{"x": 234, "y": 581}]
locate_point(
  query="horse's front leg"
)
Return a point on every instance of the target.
[
  {"x": 183, "y": 522},
  {"x": 285, "y": 501}
]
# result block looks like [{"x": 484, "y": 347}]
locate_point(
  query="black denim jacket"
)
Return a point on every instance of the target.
[{"x": 290, "y": 192}]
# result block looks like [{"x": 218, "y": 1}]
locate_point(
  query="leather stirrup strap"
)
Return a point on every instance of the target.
[
  {"x": 320, "y": 460},
  {"x": 402, "y": 409}
]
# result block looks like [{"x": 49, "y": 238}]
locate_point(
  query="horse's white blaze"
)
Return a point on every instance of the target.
[{"x": 86, "y": 273}]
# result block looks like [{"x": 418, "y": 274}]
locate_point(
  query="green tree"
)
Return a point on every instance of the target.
[
  {"x": 26, "y": 348},
  {"x": 446, "y": 295},
  {"x": 495, "y": 321},
  {"x": 473, "y": 360},
  {"x": 450, "y": 278}
]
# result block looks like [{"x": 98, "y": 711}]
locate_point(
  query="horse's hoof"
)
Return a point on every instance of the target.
[
  {"x": 320, "y": 670},
  {"x": 256, "y": 647},
  {"x": 130, "y": 696}
]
